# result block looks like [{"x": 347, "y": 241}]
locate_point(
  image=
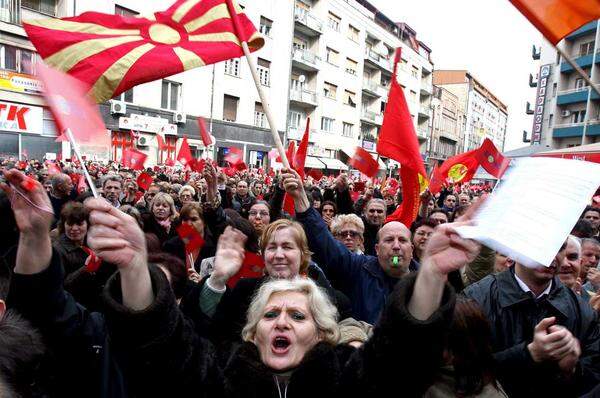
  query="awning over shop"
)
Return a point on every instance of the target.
[
  {"x": 333, "y": 164},
  {"x": 313, "y": 162},
  {"x": 590, "y": 153}
]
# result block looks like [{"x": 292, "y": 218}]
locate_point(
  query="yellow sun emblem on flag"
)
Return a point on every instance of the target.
[{"x": 458, "y": 172}]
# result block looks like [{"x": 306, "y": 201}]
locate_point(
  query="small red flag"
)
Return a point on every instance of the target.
[
  {"x": 364, "y": 162},
  {"x": 92, "y": 262},
  {"x": 190, "y": 237},
  {"x": 204, "y": 134},
  {"x": 144, "y": 181},
  {"x": 185, "y": 154},
  {"x": 71, "y": 107},
  {"x": 491, "y": 159},
  {"x": 234, "y": 156},
  {"x": 316, "y": 174},
  {"x": 252, "y": 267},
  {"x": 133, "y": 159},
  {"x": 459, "y": 168},
  {"x": 169, "y": 162},
  {"x": 53, "y": 168},
  {"x": 299, "y": 158},
  {"x": 197, "y": 165},
  {"x": 229, "y": 171}
]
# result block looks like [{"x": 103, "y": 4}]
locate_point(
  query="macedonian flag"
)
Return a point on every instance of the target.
[{"x": 114, "y": 53}]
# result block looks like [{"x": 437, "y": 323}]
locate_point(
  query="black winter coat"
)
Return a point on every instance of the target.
[
  {"x": 513, "y": 315},
  {"x": 171, "y": 360}
]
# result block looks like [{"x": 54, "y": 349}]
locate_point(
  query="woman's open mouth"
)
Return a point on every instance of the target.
[{"x": 280, "y": 345}]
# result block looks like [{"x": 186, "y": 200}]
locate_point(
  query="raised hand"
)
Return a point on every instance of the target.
[
  {"x": 229, "y": 257},
  {"x": 210, "y": 175},
  {"x": 341, "y": 182},
  {"x": 292, "y": 183}
]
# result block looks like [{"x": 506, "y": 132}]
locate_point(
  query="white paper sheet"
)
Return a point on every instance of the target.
[{"x": 539, "y": 201}]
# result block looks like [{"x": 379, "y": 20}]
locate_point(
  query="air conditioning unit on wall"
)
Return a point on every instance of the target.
[
  {"x": 142, "y": 141},
  {"x": 118, "y": 107},
  {"x": 565, "y": 113},
  {"x": 179, "y": 118}
]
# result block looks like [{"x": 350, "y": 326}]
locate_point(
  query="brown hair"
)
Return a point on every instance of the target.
[
  {"x": 188, "y": 208},
  {"x": 299, "y": 234},
  {"x": 72, "y": 213}
]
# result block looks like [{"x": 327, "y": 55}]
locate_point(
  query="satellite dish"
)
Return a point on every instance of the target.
[{"x": 301, "y": 78}]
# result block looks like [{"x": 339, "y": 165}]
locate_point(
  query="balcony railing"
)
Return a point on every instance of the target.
[
  {"x": 371, "y": 116},
  {"x": 305, "y": 17},
  {"x": 578, "y": 124},
  {"x": 573, "y": 90},
  {"x": 303, "y": 96},
  {"x": 306, "y": 56},
  {"x": 44, "y": 7},
  {"x": 372, "y": 55},
  {"x": 10, "y": 11}
]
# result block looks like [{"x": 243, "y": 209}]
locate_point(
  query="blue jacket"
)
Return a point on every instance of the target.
[{"x": 358, "y": 276}]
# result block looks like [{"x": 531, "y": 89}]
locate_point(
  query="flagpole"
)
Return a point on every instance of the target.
[
  {"x": 265, "y": 104},
  {"x": 81, "y": 161}
]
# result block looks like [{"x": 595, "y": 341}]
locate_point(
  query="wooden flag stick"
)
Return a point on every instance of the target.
[
  {"x": 584, "y": 75},
  {"x": 81, "y": 161},
  {"x": 265, "y": 104}
]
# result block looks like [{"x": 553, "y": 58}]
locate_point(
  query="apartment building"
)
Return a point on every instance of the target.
[
  {"x": 486, "y": 115},
  {"x": 330, "y": 60},
  {"x": 566, "y": 110},
  {"x": 449, "y": 126}
]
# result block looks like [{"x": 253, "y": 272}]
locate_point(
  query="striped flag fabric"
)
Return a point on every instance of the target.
[{"x": 113, "y": 53}]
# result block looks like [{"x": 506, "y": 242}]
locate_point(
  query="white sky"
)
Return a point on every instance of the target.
[{"x": 489, "y": 38}]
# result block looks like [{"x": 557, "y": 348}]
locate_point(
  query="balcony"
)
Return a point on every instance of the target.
[
  {"x": 372, "y": 117},
  {"x": 576, "y": 129},
  {"x": 426, "y": 90},
  {"x": 575, "y": 96},
  {"x": 376, "y": 60},
  {"x": 307, "y": 23},
  {"x": 422, "y": 134},
  {"x": 303, "y": 98},
  {"x": 305, "y": 60},
  {"x": 296, "y": 133},
  {"x": 583, "y": 60},
  {"x": 10, "y": 12},
  {"x": 584, "y": 30},
  {"x": 424, "y": 112},
  {"x": 373, "y": 89}
]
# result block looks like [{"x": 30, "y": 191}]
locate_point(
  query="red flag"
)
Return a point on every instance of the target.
[
  {"x": 364, "y": 162},
  {"x": 161, "y": 143},
  {"x": 410, "y": 198},
  {"x": 398, "y": 141},
  {"x": 133, "y": 159},
  {"x": 316, "y": 174},
  {"x": 229, "y": 171},
  {"x": 289, "y": 153},
  {"x": 71, "y": 108},
  {"x": 234, "y": 156},
  {"x": 53, "y": 168},
  {"x": 491, "y": 159},
  {"x": 299, "y": 158},
  {"x": 169, "y": 162},
  {"x": 138, "y": 196},
  {"x": 29, "y": 184},
  {"x": 190, "y": 237},
  {"x": 459, "y": 168},
  {"x": 113, "y": 53},
  {"x": 557, "y": 18},
  {"x": 197, "y": 165},
  {"x": 204, "y": 132},
  {"x": 92, "y": 262},
  {"x": 185, "y": 154},
  {"x": 252, "y": 267},
  {"x": 144, "y": 181}
]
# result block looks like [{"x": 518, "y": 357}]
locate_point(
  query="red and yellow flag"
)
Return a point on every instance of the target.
[
  {"x": 113, "y": 53},
  {"x": 557, "y": 18}
]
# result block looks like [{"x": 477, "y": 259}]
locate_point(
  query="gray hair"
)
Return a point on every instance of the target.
[
  {"x": 323, "y": 312},
  {"x": 112, "y": 177},
  {"x": 576, "y": 241},
  {"x": 376, "y": 200},
  {"x": 187, "y": 188}
]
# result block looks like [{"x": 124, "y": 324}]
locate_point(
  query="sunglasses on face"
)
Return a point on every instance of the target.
[{"x": 351, "y": 234}]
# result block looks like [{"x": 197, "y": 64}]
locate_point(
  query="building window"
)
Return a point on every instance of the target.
[
  {"x": 295, "y": 119},
  {"x": 550, "y": 120},
  {"x": 327, "y": 124},
  {"x": 353, "y": 33},
  {"x": 350, "y": 98},
  {"x": 332, "y": 56},
  {"x": 264, "y": 72},
  {"x": 333, "y": 21},
  {"x": 297, "y": 85},
  {"x": 348, "y": 130},
  {"x": 414, "y": 72},
  {"x": 260, "y": 119},
  {"x": 230, "y": 105},
  {"x": 554, "y": 89},
  {"x": 43, "y": 6},
  {"x": 578, "y": 116},
  {"x": 127, "y": 96},
  {"x": 265, "y": 26},
  {"x": 125, "y": 12},
  {"x": 586, "y": 48},
  {"x": 412, "y": 98},
  {"x": 171, "y": 92},
  {"x": 351, "y": 66},
  {"x": 232, "y": 67},
  {"x": 329, "y": 90},
  {"x": 300, "y": 44},
  {"x": 17, "y": 59}
]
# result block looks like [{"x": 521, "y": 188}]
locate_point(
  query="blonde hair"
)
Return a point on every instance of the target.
[
  {"x": 164, "y": 197},
  {"x": 342, "y": 219},
  {"x": 299, "y": 234},
  {"x": 323, "y": 312}
]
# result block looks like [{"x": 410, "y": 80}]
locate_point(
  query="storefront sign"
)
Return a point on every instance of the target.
[
  {"x": 540, "y": 98},
  {"x": 21, "y": 118},
  {"x": 147, "y": 124},
  {"x": 19, "y": 83}
]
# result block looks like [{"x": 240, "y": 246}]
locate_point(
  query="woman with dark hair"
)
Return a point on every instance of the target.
[
  {"x": 328, "y": 211},
  {"x": 469, "y": 369},
  {"x": 72, "y": 229}
]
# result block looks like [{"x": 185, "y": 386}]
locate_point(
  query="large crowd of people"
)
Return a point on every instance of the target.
[{"x": 262, "y": 283}]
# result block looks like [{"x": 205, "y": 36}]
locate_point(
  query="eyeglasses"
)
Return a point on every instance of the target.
[
  {"x": 255, "y": 213},
  {"x": 351, "y": 234}
]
